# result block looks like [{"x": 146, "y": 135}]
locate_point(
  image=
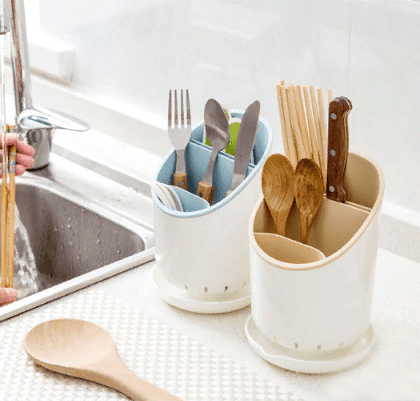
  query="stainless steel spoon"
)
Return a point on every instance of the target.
[{"x": 217, "y": 130}]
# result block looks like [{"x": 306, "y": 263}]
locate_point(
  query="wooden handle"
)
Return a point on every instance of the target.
[
  {"x": 297, "y": 93},
  {"x": 180, "y": 180},
  {"x": 205, "y": 191},
  {"x": 3, "y": 234},
  {"x": 282, "y": 121},
  {"x": 323, "y": 129},
  {"x": 112, "y": 372},
  {"x": 304, "y": 228},
  {"x": 311, "y": 127},
  {"x": 338, "y": 148},
  {"x": 292, "y": 147},
  {"x": 139, "y": 389},
  {"x": 11, "y": 200}
]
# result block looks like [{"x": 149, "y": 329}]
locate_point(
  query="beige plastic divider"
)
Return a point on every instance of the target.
[
  {"x": 286, "y": 250},
  {"x": 335, "y": 223}
]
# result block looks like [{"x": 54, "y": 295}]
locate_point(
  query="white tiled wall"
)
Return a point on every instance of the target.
[
  {"x": 237, "y": 51},
  {"x": 385, "y": 88}
]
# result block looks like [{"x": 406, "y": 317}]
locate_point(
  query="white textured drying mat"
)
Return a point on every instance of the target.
[{"x": 147, "y": 346}]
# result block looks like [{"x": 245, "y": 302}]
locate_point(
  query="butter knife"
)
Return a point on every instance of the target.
[{"x": 244, "y": 144}]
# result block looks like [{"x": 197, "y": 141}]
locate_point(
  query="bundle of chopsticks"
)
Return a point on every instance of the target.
[
  {"x": 303, "y": 124},
  {"x": 8, "y": 188},
  {"x": 8, "y": 168}
]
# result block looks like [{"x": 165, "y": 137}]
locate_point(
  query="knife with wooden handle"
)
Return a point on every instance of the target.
[
  {"x": 244, "y": 144},
  {"x": 338, "y": 148}
]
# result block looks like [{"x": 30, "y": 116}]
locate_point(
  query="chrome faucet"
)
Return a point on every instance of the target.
[{"x": 35, "y": 125}]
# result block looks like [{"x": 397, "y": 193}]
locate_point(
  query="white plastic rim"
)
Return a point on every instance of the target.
[
  {"x": 312, "y": 362},
  {"x": 219, "y": 303}
]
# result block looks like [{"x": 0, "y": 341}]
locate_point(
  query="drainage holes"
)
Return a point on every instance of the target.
[
  {"x": 319, "y": 348},
  {"x": 296, "y": 346},
  {"x": 186, "y": 287},
  {"x": 226, "y": 288},
  {"x": 206, "y": 289}
]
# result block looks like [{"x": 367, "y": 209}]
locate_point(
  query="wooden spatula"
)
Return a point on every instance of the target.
[{"x": 83, "y": 349}]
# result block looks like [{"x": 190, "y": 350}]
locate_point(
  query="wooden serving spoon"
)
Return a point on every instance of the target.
[
  {"x": 277, "y": 187},
  {"x": 83, "y": 349},
  {"x": 309, "y": 192}
]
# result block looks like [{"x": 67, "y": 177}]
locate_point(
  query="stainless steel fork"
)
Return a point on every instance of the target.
[{"x": 179, "y": 134}]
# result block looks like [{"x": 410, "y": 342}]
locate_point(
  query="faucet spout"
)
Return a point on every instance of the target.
[
  {"x": 36, "y": 134},
  {"x": 20, "y": 57}
]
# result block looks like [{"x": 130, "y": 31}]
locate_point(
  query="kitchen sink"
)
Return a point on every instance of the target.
[{"x": 76, "y": 239}]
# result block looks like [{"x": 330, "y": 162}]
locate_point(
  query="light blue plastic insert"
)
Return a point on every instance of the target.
[
  {"x": 197, "y": 156},
  {"x": 190, "y": 202}
]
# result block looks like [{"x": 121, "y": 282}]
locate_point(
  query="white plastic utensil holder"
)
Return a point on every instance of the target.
[
  {"x": 321, "y": 306},
  {"x": 205, "y": 250}
]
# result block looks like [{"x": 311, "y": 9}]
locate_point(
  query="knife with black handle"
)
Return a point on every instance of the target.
[{"x": 244, "y": 144}]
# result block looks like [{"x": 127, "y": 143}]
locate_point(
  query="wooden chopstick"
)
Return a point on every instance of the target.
[
  {"x": 4, "y": 231},
  {"x": 311, "y": 126},
  {"x": 314, "y": 102},
  {"x": 11, "y": 202},
  {"x": 301, "y": 151},
  {"x": 8, "y": 202},
  {"x": 330, "y": 96},
  {"x": 282, "y": 121},
  {"x": 324, "y": 134},
  {"x": 297, "y": 93},
  {"x": 292, "y": 147}
]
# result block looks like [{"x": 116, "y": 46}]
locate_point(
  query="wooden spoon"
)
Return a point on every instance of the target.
[
  {"x": 83, "y": 349},
  {"x": 277, "y": 187},
  {"x": 309, "y": 191}
]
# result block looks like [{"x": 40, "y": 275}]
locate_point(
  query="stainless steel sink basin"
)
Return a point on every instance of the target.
[{"x": 76, "y": 240}]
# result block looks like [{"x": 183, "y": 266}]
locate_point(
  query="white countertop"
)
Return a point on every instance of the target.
[{"x": 390, "y": 372}]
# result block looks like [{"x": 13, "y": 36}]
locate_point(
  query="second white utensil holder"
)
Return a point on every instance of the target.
[
  {"x": 202, "y": 256},
  {"x": 308, "y": 311}
]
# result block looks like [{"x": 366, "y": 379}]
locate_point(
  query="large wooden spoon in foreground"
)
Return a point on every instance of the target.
[
  {"x": 309, "y": 192},
  {"x": 277, "y": 187},
  {"x": 83, "y": 349}
]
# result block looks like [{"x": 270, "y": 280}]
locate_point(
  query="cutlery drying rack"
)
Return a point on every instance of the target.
[
  {"x": 205, "y": 252},
  {"x": 312, "y": 307}
]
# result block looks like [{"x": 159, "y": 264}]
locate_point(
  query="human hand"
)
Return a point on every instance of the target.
[
  {"x": 7, "y": 296},
  {"x": 24, "y": 153}
]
